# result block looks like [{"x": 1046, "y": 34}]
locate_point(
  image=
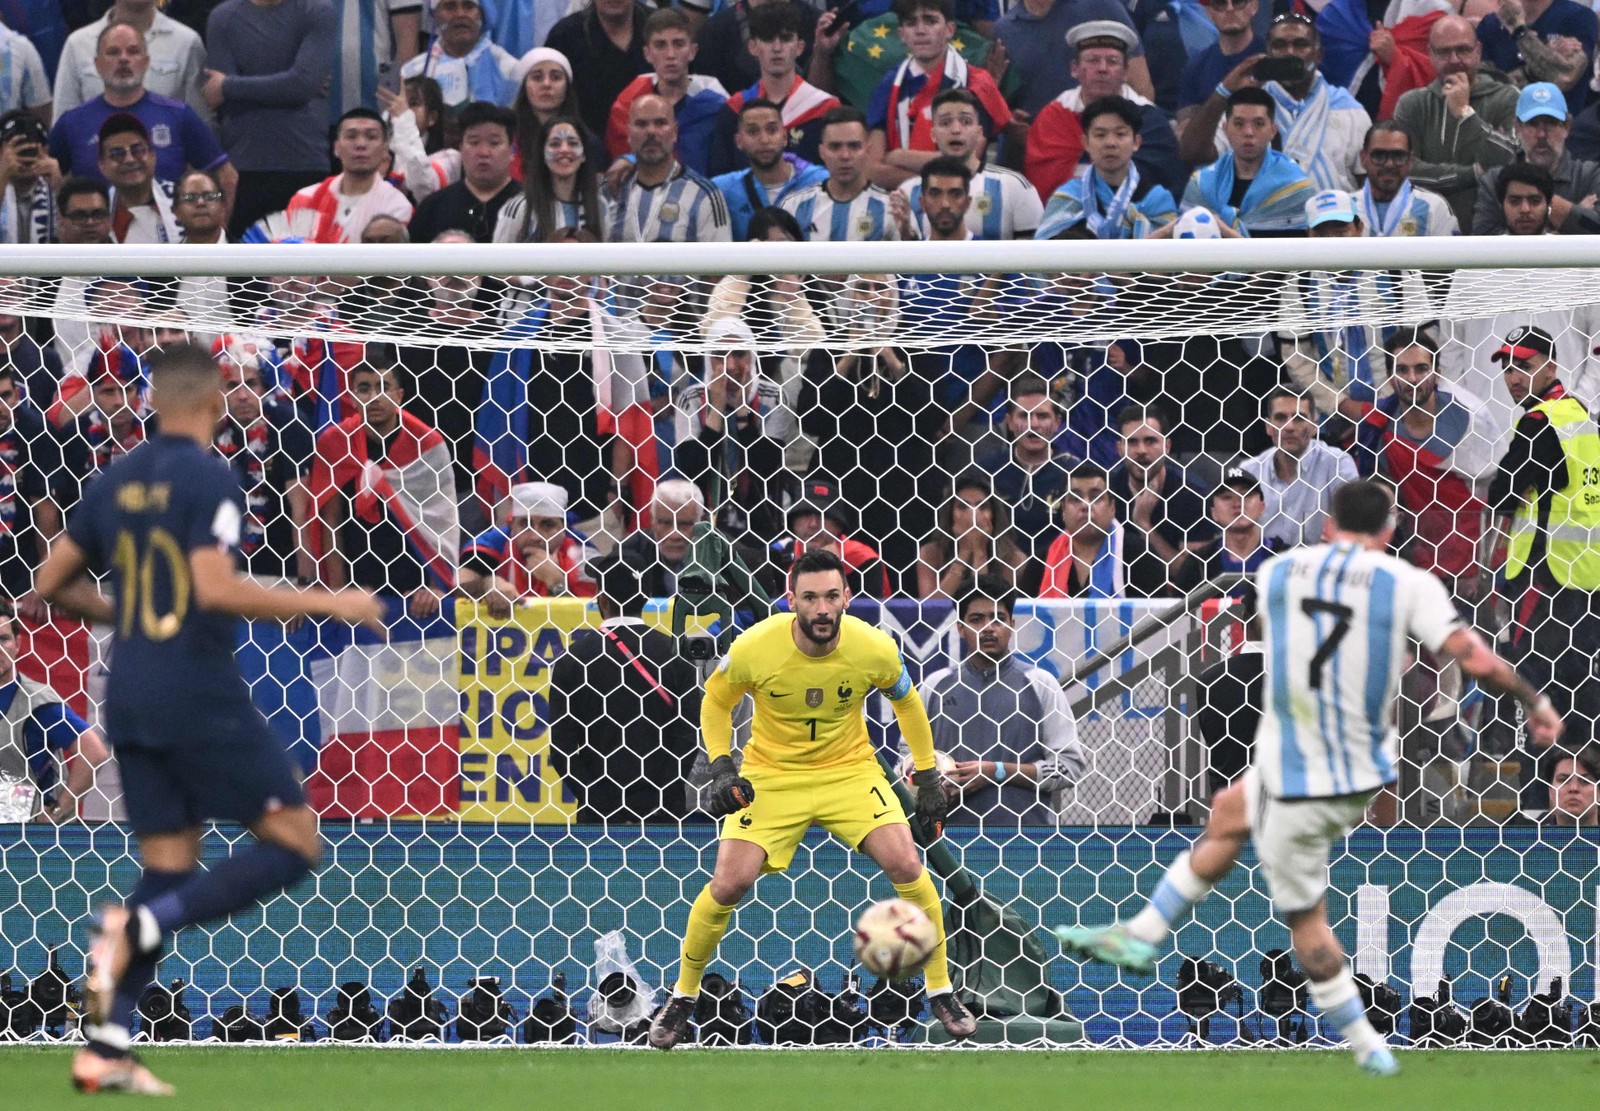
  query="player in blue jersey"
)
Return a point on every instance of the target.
[
  {"x": 162, "y": 525},
  {"x": 1338, "y": 618}
]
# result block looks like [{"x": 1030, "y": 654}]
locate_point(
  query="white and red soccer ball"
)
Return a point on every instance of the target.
[{"x": 894, "y": 938}]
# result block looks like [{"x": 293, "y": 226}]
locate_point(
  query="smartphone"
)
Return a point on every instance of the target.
[{"x": 1278, "y": 69}]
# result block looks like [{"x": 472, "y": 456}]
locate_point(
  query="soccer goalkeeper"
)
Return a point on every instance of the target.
[{"x": 810, "y": 760}]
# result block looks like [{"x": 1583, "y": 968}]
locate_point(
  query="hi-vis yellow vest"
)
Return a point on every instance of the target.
[{"x": 1572, "y": 541}]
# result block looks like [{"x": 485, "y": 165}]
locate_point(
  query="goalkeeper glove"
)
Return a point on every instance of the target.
[
  {"x": 730, "y": 792},
  {"x": 931, "y": 802}
]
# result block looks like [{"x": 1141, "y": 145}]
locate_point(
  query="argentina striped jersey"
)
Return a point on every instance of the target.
[
  {"x": 686, "y": 208},
  {"x": 824, "y": 220},
  {"x": 1005, "y": 204}
]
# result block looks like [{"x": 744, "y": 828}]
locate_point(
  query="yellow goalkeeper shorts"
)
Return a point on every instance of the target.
[{"x": 849, "y": 802}]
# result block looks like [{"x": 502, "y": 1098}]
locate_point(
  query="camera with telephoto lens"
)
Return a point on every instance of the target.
[
  {"x": 165, "y": 1012},
  {"x": 354, "y": 1017},
  {"x": 550, "y": 1019},
  {"x": 1283, "y": 995},
  {"x": 695, "y": 590},
  {"x": 1205, "y": 989},
  {"x": 1437, "y": 1021},
  {"x": 1491, "y": 1022},
  {"x": 721, "y": 1012},
  {"x": 1546, "y": 1020},
  {"x": 484, "y": 1014},
  {"x": 1381, "y": 1002}
]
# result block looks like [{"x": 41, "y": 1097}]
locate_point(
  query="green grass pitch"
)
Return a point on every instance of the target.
[{"x": 340, "y": 1079}]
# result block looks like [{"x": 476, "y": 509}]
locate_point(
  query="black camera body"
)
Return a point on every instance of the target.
[{"x": 1278, "y": 69}]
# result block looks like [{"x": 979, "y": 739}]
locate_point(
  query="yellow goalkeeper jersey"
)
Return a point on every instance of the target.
[{"x": 809, "y": 710}]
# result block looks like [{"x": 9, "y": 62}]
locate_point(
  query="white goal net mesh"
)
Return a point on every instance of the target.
[{"x": 510, "y": 859}]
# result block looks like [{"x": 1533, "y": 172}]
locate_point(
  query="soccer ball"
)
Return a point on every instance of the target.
[
  {"x": 894, "y": 938},
  {"x": 1197, "y": 223}
]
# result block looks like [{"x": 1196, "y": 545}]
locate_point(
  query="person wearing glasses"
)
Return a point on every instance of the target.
[
  {"x": 141, "y": 207},
  {"x": 177, "y": 137},
  {"x": 199, "y": 206},
  {"x": 1390, "y": 204},
  {"x": 1461, "y": 123}
]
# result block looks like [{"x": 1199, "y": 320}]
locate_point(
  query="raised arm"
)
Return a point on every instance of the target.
[{"x": 1479, "y": 661}]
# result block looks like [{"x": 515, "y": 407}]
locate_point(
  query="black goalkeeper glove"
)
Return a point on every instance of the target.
[
  {"x": 730, "y": 792},
  {"x": 932, "y": 805}
]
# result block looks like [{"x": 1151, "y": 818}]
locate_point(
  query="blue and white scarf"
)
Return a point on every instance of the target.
[
  {"x": 1389, "y": 226},
  {"x": 1304, "y": 127},
  {"x": 1107, "y": 223}
]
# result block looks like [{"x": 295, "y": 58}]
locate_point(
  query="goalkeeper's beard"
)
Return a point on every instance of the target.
[{"x": 809, "y": 627}]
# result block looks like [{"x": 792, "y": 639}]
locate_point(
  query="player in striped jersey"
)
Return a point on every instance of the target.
[
  {"x": 847, "y": 207},
  {"x": 1004, "y": 204},
  {"x": 1338, "y": 617},
  {"x": 660, "y": 200}
]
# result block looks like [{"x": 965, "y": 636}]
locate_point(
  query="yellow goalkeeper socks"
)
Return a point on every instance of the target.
[
  {"x": 708, "y": 921},
  {"x": 922, "y": 892}
]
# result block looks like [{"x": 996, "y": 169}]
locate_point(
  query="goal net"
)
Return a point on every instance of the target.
[{"x": 1116, "y": 431}]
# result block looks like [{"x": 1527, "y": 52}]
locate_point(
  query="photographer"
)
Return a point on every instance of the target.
[
  {"x": 624, "y": 707},
  {"x": 28, "y": 180}
]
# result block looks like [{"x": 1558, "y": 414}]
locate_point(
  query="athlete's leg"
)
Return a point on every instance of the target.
[{"x": 1333, "y": 989}]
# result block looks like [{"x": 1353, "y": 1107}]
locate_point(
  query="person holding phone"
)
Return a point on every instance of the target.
[{"x": 29, "y": 178}]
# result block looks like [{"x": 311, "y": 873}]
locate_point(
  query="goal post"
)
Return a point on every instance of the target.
[{"x": 923, "y": 408}]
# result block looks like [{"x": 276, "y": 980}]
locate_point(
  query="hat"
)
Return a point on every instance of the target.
[
  {"x": 821, "y": 496},
  {"x": 1330, "y": 206},
  {"x": 119, "y": 123},
  {"x": 1541, "y": 100},
  {"x": 538, "y": 499},
  {"x": 1526, "y": 342},
  {"x": 730, "y": 333},
  {"x": 1238, "y": 480},
  {"x": 20, "y": 121},
  {"x": 541, "y": 54},
  {"x": 1084, "y": 35}
]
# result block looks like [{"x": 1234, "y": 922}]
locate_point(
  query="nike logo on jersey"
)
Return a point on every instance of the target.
[
  {"x": 879, "y": 814},
  {"x": 780, "y": 694}
]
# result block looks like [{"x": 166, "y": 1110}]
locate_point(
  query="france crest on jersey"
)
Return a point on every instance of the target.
[{"x": 1336, "y": 619}]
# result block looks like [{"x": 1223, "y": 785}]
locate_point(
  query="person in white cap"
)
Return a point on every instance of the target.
[
  {"x": 534, "y": 554},
  {"x": 1542, "y": 127},
  {"x": 463, "y": 58}
]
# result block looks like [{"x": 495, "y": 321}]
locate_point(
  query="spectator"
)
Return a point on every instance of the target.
[
  {"x": 821, "y": 521},
  {"x": 38, "y": 729},
  {"x": 660, "y": 200},
  {"x": 185, "y": 140},
  {"x": 945, "y": 197},
  {"x": 102, "y": 434},
  {"x": 1006, "y": 724},
  {"x": 37, "y": 366},
  {"x": 29, "y": 178},
  {"x": 1237, "y": 508},
  {"x": 1529, "y": 31},
  {"x": 534, "y": 554},
  {"x": 624, "y": 712},
  {"x": 141, "y": 208},
  {"x": 337, "y": 209},
  {"x": 1461, "y": 122},
  {"x": 732, "y": 427},
  {"x": 560, "y": 189},
  {"x": 1252, "y": 187},
  {"x": 1542, "y": 127},
  {"x": 420, "y": 162},
  {"x": 902, "y": 130},
  {"x": 1004, "y": 205},
  {"x": 1390, "y": 205},
  {"x": 544, "y": 92},
  {"x": 375, "y": 38},
  {"x": 1088, "y": 558},
  {"x": 463, "y": 58},
  {"x": 270, "y": 72},
  {"x": 1112, "y": 198},
  {"x": 696, "y": 100},
  {"x": 1100, "y": 68},
  {"x": 661, "y": 548},
  {"x": 847, "y": 207},
  {"x": 473, "y": 204},
  {"x": 1432, "y": 445},
  {"x": 776, "y": 30},
  {"x": 874, "y": 421},
  {"x": 270, "y": 450},
  {"x": 1102, "y": 383},
  {"x": 199, "y": 207},
  {"x": 1032, "y": 33},
  {"x": 1228, "y": 698},
  {"x": 773, "y": 173},
  {"x": 724, "y": 44},
  {"x": 25, "y": 86},
  {"x": 1153, "y": 497},
  {"x": 1526, "y": 195},
  {"x": 175, "y": 56},
  {"x": 1299, "y": 473},
  {"x": 1573, "y": 775},
  {"x": 1030, "y": 478},
  {"x": 85, "y": 207},
  {"x": 973, "y": 538},
  {"x": 604, "y": 48},
  {"x": 382, "y": 491},
  {"x": 28, "y": 518},
  {"x": 1224, "y": 62}
]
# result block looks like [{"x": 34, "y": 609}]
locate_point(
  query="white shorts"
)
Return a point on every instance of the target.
[{"x": 1292, "y": 839}]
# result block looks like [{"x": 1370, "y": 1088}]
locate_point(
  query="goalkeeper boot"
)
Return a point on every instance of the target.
[
  {"x": 1111, "y": 945},
  {"x": 953, "y": 1014},
  {"x": 671, "y": 1024},
  {"x": 1380, "y": 1062},
  {"x": 92, "y": 1072},
  {"x": 109, "y": 955}
]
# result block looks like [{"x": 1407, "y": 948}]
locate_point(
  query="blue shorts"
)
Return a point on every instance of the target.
[{"x": 225, "y": 766}]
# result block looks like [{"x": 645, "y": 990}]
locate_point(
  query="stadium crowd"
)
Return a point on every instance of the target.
[{"x": 1125, "y": 470}]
